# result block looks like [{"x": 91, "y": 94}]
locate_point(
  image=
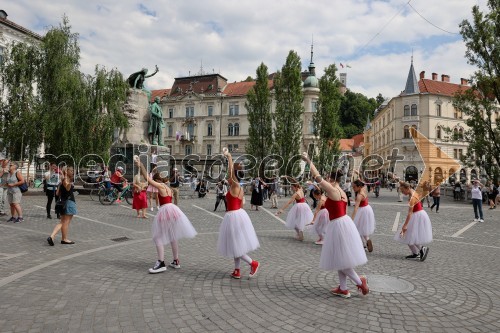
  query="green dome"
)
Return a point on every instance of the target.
[{"x": 311, "y": 82}]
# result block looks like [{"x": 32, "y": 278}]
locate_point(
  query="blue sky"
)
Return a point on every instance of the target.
[{"x": 376, "y": 38}]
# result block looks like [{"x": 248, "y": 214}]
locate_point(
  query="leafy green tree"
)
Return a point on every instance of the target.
[
  {"x": 326, "y": 120},
  {"x": 80, "y": 111},
  {"x": 289, "y": 110},
  {"x": 20, "y": 111},
  {"x": 480, "y": 104},
  {"x": 353, "y": 111},
  {"x": 258, "y": 105}
]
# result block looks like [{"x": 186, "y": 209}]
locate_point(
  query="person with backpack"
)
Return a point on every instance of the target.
[{"x": 14, "y": 180}]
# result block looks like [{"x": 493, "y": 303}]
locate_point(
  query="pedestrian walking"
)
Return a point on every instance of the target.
[
  {"x": 363, "y": 216},
  {"x": 300, "y": 214},
  {"x": 174, "y": 185},
  {"x": 416, "y": 231},
  {"x": 477, "y": 201},
  {"x": 14, "y": 195},
  {"x": 170, "y": 224},
  {"x": 52, "y": 181},
  {"x": 67, "y": 204},
  {"x": 321, "y": 218},
  {"x": 273, "y": 191},
  {"x": 4, "y": 172},
  {"x": 342, "y": 248},
  {"x": 436, "y": 197},
  {"x": 257, "y": 194},
  {"x": 492, "y": 196},
  {"x": 237, "y": 236}
]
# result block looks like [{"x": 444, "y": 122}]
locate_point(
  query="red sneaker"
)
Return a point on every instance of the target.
[
  {"x": 364, "y": 285},
  {"x": 254, "y": 267},
  {"x": 342, "y": 293},
  {"x": 236, "y": 274}
]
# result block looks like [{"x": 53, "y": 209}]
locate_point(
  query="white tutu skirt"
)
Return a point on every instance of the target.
[
  {"x": 419, "y": 231},
  {"x": 236, "y": 235},
  {"x": 299, "y": 216},
  {"x": 342, "y": 246},
  {"x": 320, "y": 223},
  {"x": 170, "y": 224},
  {"x": 365, "y": 220}
]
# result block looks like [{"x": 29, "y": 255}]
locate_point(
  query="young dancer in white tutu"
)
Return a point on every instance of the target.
[
  {"x": 237, "y": 236},
  {"x": 170, "y": 224},
  {"x": 417, "y": 229},
  {"x": 321, "y": 217},
  {"x": 363, "y": 216},
  {"x": 342, "y": 248},
  {"x": 300, "y": 214}
]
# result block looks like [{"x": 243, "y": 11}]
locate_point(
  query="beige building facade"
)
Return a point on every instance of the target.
[{"x": 426, "y": 105}]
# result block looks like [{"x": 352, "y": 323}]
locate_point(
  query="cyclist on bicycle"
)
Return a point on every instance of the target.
[{"x": 118, "y": 182}]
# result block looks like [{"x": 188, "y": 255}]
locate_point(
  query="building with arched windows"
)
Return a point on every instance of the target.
[
  {"x": 426, "y": 105},
  {"x": 204, "y": 113}
]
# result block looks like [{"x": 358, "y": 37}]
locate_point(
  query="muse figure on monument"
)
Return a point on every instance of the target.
[{"x": 156, "y": 123}]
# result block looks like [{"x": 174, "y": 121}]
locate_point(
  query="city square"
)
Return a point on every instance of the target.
[{"x": 102, "y": 284}]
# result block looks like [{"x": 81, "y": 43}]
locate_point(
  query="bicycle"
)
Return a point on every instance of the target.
[
  {"x": 96, "y": 190},
  {"x": 107, "y": 197}
]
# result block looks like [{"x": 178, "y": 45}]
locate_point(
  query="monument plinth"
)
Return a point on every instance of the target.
[{"x": 137, "y": 113}]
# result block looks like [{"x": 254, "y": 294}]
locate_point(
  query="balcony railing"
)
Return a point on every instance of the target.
[
  {"x": 189, "y": 138},
  {"x": 411, "y": 118}
]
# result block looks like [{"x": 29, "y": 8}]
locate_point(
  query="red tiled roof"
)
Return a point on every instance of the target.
[
  {"x": 440, "y": 87},
  {"x": 159, "y": 93},
  {"x": 346, "y": 144},
  {"x": 242, "y": 88},
  {"x": 202, "y": 84},
  {"x": 358, "y": 140},
  {"x": 19, "y": 28}
]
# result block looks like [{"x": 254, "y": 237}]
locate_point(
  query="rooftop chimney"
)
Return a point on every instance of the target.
[
  {"x": 464, "y": 82},
  {"x": 445, "y": 78},
  {"x": 422, "y": 75},
  {"x": 434, "y": 76}
]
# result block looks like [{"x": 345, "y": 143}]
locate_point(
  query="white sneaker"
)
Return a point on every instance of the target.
[
  {"x": 481, "y": 220},
  {"x": 476, "y": 220},
  {"x": 152, "y": 209}
]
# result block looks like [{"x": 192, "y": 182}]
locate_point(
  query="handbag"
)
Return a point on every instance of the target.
[
  {"x": 60, "y": 207},
  {"x": 23, "y": 187}
]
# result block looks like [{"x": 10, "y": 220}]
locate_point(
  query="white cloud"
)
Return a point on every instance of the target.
[{"x": 234, "y": 37}]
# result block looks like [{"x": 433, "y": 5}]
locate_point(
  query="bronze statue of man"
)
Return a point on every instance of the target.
[
  {"x": 156, "y": 123},
  {"x": 136, "y": 80}
]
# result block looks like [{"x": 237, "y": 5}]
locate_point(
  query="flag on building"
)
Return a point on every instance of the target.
[
  {"x": 177, "y": 135},
  {"x": 348, "y": 66},
  {"x": 341, "y": 65}
]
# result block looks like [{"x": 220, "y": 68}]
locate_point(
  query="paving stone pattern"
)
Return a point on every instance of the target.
[{"x": 100, "y": 285}]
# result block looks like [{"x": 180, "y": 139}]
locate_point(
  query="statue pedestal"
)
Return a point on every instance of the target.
[{"x": 137, "y": 113}]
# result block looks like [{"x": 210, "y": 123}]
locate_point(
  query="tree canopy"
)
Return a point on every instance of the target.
[{"x": 481, "y": 103}]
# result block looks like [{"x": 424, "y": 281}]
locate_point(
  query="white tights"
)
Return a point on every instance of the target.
[
  {"x": 349, "y": 272},
  {"x": 245, "y": 258},
  {"x": 161, "y": 251},
  {"x": 415, "y": 249}
]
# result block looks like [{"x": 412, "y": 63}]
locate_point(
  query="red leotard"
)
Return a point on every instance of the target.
[
  {"x": 417, "y": 207},
  {"x": 233, "y": 203},
  {"x": 302, "y": 200},
  {"x": 364, "y": 202},
  {"x": 335, "y": 209},
  {"x": 164, "y": 200}
]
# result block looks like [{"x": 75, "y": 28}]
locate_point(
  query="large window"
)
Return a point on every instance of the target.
[
  {"x": 209, "y": 149},
  {"x": 406, "y": 132},
  {"x": 407, "y": 110},
  {"x": 230, "y": 129},
  {"x": 170, "y": 131},
  {"x": 188, "y": 150},
  {"x": 1, "y": 55},
  {"x": 170, "y": 112},
  {"x": 314, "y": 106},
  {"x": 209, "y": 129},
  {"x": 232, "y": 147},
  {"x": 438, "y": 110},
  {"x": 311, "y": 127},
  {"x": 234, "y": 110},
  {"x": 414, "y": 110},
  {"x": 190, "y": 130},
  {"x": 438, "y": 132},
  {"x": 189, "y": 111},
  {"x": 210, "y": 110},
  {"x": 236, "y": 129}
]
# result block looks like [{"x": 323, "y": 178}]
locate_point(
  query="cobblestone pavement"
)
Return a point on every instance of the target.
[{"x": 101, "y": 285}]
